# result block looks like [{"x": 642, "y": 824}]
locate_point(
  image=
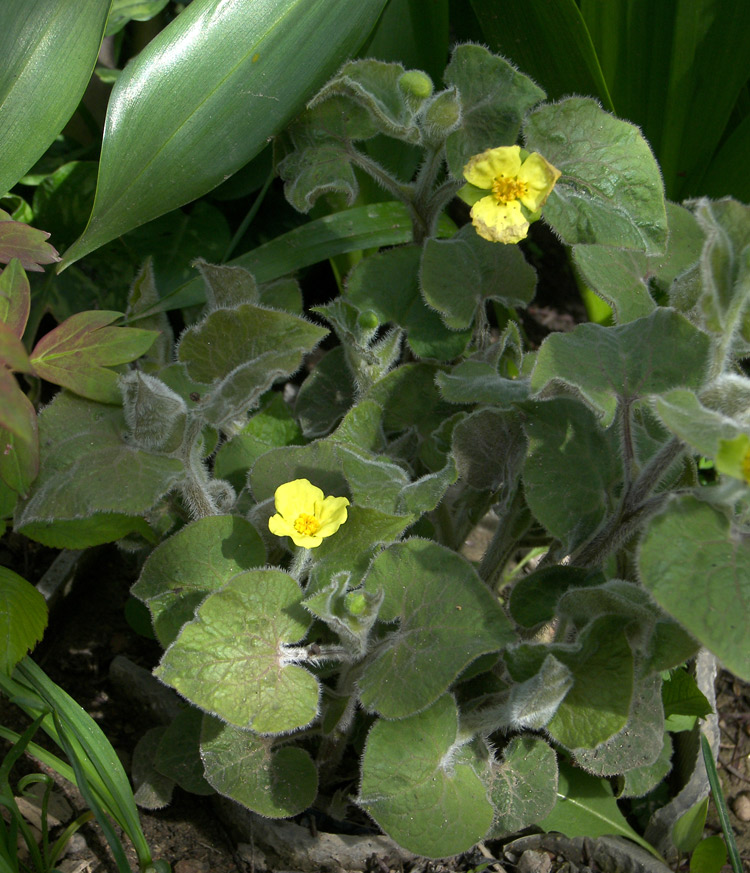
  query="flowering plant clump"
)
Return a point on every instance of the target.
[
  {"x": 514, "y": 183},
  {"x": 305, "y": 514}
]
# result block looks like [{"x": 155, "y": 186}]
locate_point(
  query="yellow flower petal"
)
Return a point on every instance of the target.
[
  {"x": 297, "y": 496},
  {"x": 499, "y": 222},
  {"x": 540, "y": 177},
  {"x": 305, "y": 514},
  {"x": 483, "y": 169}
]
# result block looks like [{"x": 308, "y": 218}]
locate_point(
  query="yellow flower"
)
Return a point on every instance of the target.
[
  {"x": 305, "y": 515},
  {"x": 511, "y": 183}
]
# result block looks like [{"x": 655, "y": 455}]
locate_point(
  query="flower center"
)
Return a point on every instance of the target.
[
  {"x": 504, "y": 189},
  {"x": 307, "y": 525}
]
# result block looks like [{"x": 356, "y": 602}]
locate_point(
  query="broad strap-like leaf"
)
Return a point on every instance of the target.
[
  {"x": 49, "y": 50},
  {"x": 204, "y": 97}
]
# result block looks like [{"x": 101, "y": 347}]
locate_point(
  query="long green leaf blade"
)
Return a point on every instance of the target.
[
  {"x": 49, "y": 49},
  {"x": 548, "y": 40},
  {"x": 204, "y": 97}
]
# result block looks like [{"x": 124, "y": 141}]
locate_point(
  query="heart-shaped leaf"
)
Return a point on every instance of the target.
[{"x": 231, "y": 661}]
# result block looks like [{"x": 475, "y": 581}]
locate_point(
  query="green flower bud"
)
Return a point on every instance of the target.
[
  {"x": 356, "y": 603},
  {"x": 368, "y": 320},
  {"x": 441, "y": 116},
  {"x": 415, "y": 83}
]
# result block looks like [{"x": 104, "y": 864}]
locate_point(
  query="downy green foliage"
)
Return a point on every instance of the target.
[{"x": 475, "y": 707}]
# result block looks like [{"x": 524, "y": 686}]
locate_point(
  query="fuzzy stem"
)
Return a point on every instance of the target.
[
  {"x": 511, "y": 527},
  {"x": 300, "y": 564},
  {"x": 195, "y": 486}
]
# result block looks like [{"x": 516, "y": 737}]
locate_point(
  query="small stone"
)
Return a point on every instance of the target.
[
  {"x": 742, "y": 807},
  {"x": 534, "y": 861},
  {"x": 76, "y": 845}
]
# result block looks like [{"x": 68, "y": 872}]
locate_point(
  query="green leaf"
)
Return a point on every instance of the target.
[
  {"x": 684, "y": 702},
  {"x": 533, "y": 599},
  {"x": 231, "y": 661},
  {"x": 587, "y": 808},
  {"x": 77, "y": 353},
  {"x": 201, "y": 557},
  {"x": 124, "y": 11},
  {"x": 700, "y": 427},
  {"x": 447, "y": 618},
  {"x": 475, "y": 381},
  {"x": 153, "y": 790},
  {"x": 205, "y": 95},
  {"x": 178, "y": 752},
  {"x": 715, "y": 296},
  {"x": 688, "y": 829},
  {"x": 19, "y": 460},
  {"x": 459, "y": 275},
  {"x": 489, "y": 448},
  {"x": 610, "y": 191},
  {"x": 272, "y": 426},
  {"x": 697, "y": 568},
  {"x": 23, "y": 618},
  {"x": 15, "y": 297},
  {"x": 430, "y": 801},
  {"x": 623, "y": 278},
  {"x": 13, "y": 353},
  {"x": 549, "y": 41},
  {"x": 494, "y": 98},
  {"x": 374, "y": 85},
  {"x": 326, "y": 394},
  {"x": 565, "y": 439},
  {"x": 92, "y": 486},
  {"x": 241, "y": 352},
  {"x": 351, "y": 230},
  {"x": 709, "y": 856},
  {"x": 49, "y": 52},
  {"x": 639, "y": 743},
  {"x": 387, "y": 283},
  {"x": 639, "y": 781},
  {"x": 274, "y": 782},
  {"x": 523, "y": 786},
  {"x": 650, "y": 355},
  {"x": 25, "y": 244},
  {"x": 598, "y": 703}
]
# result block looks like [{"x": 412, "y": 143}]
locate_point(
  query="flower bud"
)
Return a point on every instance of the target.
[
  {"x": 416, "y": 87},
  {"x": 441, "y": 116},
  {"x": 155, "y": 414}
]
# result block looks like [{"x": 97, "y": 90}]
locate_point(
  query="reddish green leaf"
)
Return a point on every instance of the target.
[
  {"x": 19, "y": 459},
  {"x": 12, "y": 351},
  {"x": 14, "y": 408},
  {"x": 77, "y": 352},
  {"x": 15, "y": 297},
  {"x": 18, "y": 240}
]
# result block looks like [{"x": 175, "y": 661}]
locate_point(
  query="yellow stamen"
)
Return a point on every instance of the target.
[
  {"x": 504, "y": 189},
  {"x": 307, "y": 525}
]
